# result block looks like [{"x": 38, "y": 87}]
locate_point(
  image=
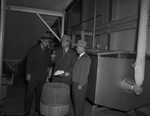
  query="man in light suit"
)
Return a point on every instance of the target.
[
  {"x": 38, "y": 63},
  {"x": 80, "y": 78}
]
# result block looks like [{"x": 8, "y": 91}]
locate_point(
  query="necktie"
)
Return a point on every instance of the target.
[
  {"x": 64, "y": 52},
  {"x": 43, "y": 49}
]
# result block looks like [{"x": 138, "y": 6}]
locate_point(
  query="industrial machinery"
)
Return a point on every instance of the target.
[{"x": 110, "y": 72}]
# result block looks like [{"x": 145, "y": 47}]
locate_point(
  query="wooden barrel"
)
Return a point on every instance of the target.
[
  {"x": 3, "y": 90},
  {"x": 55, "y": 99},
  {"x": 54, "y": 110}
]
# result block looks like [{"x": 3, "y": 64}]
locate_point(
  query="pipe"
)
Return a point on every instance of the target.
[
  {"x": 116, "y": 23},
  {"x": 116, "y": 29},
  {"x": 82, "y": 35},
  {"x": 33, "y": 10},
  {"x": 2, "y": 29},
  {"x": 94, "y": 25},
  {"x": 139, "y": 66},
  {"x": 62, "y": 26},
  {"x": 128, "y": 85}
]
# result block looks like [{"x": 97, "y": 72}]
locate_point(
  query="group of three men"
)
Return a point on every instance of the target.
[{"x": 76, "y": 70}]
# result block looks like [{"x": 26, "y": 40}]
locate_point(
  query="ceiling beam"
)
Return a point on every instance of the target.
[
  {"x": 48, "y": 27},
  {"x": 33, "y": 10}
]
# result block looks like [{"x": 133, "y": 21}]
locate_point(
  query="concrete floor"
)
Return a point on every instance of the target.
[{"x": 14, "y": 105}]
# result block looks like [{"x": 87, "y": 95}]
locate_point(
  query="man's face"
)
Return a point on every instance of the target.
[
  {"x": 45, "y": 42},
  {"x": 64, "y": 44},
  {"x": 80, "y": 50}
]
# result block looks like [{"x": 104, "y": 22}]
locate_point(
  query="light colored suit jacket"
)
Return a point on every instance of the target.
[{"x": 81, "y": 70}]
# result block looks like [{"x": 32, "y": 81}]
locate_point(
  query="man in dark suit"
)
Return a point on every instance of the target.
[
  {"x": 38, "y": 64},
  {"x": 64, "y": 60},
  {"x": 80, "y": 78}
]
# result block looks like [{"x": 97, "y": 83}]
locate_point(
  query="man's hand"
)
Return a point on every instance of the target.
[
  {"x": 79, "y": 87},
  {"x": 67, "y": 74},
  {"x": 28, "y": 77}
]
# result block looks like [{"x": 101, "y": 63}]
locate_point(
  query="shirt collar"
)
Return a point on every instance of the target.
[
  {"x": 66, "y": 49},
  {"x": 81, "y": 54},
  {"x": 42, "y": 46}
]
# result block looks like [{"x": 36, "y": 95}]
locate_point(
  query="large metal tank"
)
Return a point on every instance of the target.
[{"x": 108, "y": 71}]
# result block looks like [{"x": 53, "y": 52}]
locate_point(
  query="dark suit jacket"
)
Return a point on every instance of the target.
[
  {"x": 38, "y": 62},
  {"x": 65, "y": 61},
  {"x": 81, "y": 70}
]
